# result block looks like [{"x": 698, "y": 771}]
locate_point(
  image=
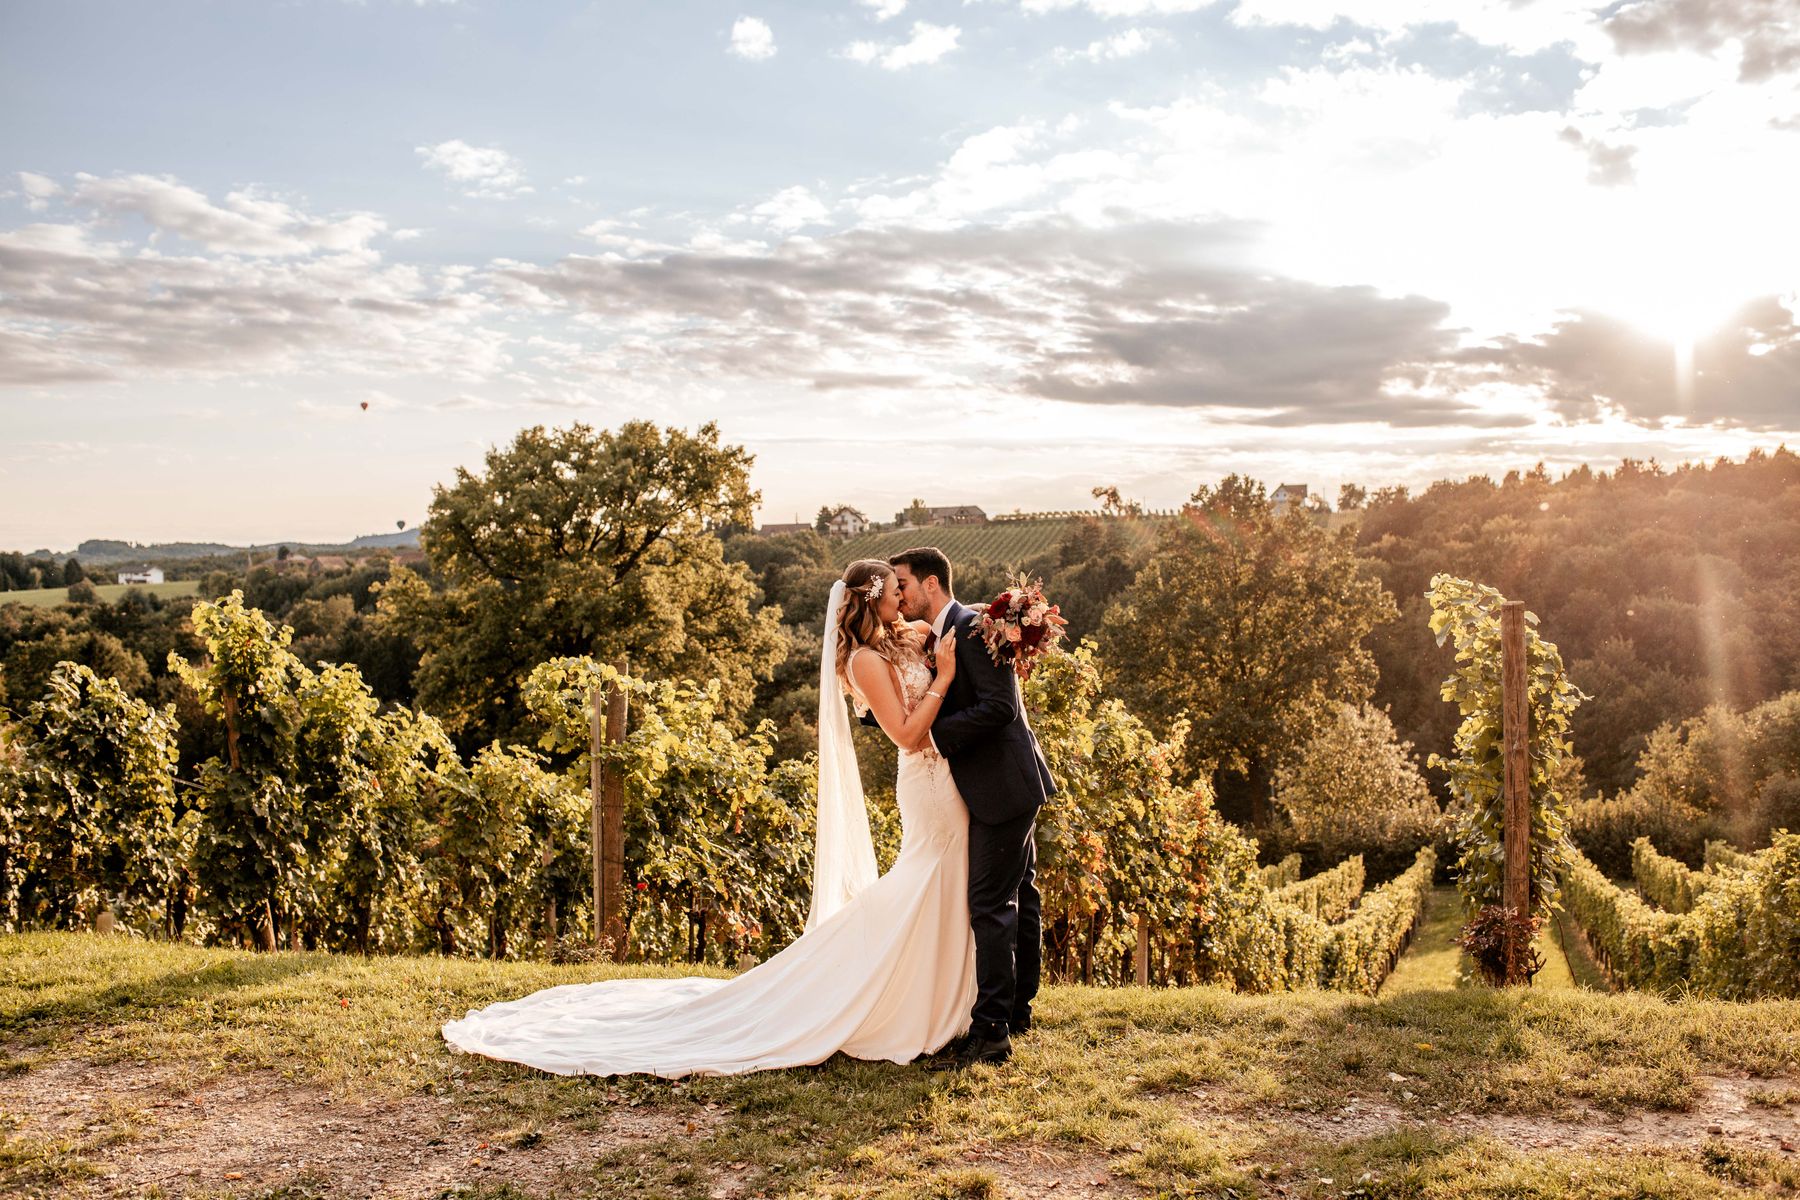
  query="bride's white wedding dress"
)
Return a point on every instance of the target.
[{"x": 890, "y": 975}]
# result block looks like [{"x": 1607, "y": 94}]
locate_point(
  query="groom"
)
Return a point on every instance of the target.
[{"x": 980, "y": 730}]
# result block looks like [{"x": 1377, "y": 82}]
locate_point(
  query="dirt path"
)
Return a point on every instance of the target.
[
  {"x": 1725, "y": 1110},
  {"x": 146, "y": 1128}
]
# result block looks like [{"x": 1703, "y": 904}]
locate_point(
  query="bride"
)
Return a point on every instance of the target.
[{"x": 886, "y": 966}]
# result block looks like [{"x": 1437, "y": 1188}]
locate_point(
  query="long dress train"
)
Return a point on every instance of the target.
[{"x": 890, "y": 976}]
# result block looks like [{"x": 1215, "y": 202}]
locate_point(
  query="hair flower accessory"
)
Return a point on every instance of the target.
[{"x": 873, "y": 591}]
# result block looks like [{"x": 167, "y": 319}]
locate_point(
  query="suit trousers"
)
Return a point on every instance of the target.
[{"x": 1007, "y": 916}]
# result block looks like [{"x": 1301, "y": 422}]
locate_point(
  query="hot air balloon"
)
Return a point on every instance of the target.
[
  {"x": 399, "y": 524},
  {"x": 365, "y": 406}
]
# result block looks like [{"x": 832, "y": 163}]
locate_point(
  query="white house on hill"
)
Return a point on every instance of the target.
[
  {"x": 142, "y": 575},
  {"x": 846, "y": 522},
  {"x": 1288, "y": 493}
]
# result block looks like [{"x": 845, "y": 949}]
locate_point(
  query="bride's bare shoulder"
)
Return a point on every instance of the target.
[{"x": 920, "y": 627}]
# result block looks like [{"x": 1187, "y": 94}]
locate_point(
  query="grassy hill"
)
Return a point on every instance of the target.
[
  {"x": 1009, "y": 543},
  {"x": 109, "y": 592},
  {"x": 140, "y": 1069}
]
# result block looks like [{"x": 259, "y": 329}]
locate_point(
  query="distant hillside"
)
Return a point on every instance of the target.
[
  {"x": 1008, "y": 543},
  {"x": 369, "y": 541},
  {"x": 102, "y": 551}
]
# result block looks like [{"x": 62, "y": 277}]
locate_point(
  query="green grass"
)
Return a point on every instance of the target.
[
  {"x": 1435, "y": 961},
  {"x": 1166, "y": 1091},
  {"x": 109, "y": 592}
]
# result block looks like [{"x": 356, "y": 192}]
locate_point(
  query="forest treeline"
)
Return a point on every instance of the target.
[{"x": 1271, "y": 638}]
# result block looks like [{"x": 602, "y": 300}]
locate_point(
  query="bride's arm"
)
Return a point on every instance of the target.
[{"x": 875, "y": 680}]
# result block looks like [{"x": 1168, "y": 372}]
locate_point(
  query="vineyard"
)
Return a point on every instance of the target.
[
  {"x": 1007, "y": 543},
  {"x": 1730, "y": 929},
  {"x": 339, "y": 878}
]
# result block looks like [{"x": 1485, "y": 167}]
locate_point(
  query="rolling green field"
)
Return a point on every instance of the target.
[
  {"x": 1010, "y": 543},
  {"x": 109, "y": 592}
]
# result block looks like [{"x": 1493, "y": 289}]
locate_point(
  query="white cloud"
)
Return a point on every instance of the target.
[
  {"x": 1127, "y": 43},
  {"x": 623, "y": 239},
  {"x": 791, "y": 209},
  {"x": 927, "y": 44},
  {"x": 1119, "y": 8},
  {"x": 278, "y": 292},
  {"x": 487, "y": 172},
  {"x": 38, "y": 190},
  {"x": 1519, "y": 25},
  {"x": 248, "y": 222},
  {"x": 885, "y": 9},
  {"x": 751, "y": 38}
]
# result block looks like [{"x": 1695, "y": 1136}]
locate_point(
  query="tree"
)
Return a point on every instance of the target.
[
  {"x": 822, "y": 522},
  {"x": 917, "y": 513},
  {"x": 1355, "y": 789},
  {"x": 83, "y": 591},
  {"x": 1114, "y": 505},
  {"x": 1251, "y": 624},
  {"x": 72, "y": 572},
  {"x": 578, "y": 542},
  {"x": 1351, "y": 497}
]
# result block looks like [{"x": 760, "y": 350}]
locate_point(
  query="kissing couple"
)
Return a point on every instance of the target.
[{"x": 940, "y": 956}]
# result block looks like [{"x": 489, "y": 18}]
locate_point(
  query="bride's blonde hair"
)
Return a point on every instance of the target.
[{"x": 860, "y": 623}]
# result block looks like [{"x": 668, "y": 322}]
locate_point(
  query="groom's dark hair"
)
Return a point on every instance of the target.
[{"x": 923, "y": 561}]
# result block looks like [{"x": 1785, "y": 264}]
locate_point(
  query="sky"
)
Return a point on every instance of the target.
[{"x": 275, "y": 270}]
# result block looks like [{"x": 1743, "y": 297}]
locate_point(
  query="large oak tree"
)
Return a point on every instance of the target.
[
  {"x": 576, "y": 541},
  {"x": 1251, "y": 622}
]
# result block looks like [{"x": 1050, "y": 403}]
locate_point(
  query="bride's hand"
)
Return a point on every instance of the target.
[{"x": 946, "y": 659}]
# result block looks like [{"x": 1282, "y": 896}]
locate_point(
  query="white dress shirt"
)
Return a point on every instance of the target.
[{"x": 937, "y": 630}]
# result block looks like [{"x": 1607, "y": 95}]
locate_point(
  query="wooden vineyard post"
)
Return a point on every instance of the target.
[
  {"x": 1515, "y": 713},
  {"x": 608, "y": 829},
  {"x": 1142, "y": 959}
]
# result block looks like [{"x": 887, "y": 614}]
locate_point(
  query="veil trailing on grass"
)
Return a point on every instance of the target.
[{"x": 843, "y": 851}]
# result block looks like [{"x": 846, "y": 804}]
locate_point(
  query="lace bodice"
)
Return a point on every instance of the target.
[{"x": 914, "y": 676}]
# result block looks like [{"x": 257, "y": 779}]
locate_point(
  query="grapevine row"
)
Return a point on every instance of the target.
[
  {"x": 1740, "y": 940},
  {"x": 1329, "y": 895}
]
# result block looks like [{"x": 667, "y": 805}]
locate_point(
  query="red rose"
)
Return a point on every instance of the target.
[
  {"x": 1032, "y": 635},
  {"x": 642, "y": 886}
]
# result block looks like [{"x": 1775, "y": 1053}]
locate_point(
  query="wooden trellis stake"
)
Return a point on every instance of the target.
[{"x": 1515, "y": 713}]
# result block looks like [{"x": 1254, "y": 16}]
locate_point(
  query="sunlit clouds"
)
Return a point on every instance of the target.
[{"x": 1308, "y": 239}]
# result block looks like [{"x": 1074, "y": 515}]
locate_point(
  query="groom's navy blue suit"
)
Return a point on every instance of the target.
[{"x": 994, "y": 757}]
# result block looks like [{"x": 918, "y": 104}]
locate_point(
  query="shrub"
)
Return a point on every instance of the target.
[
  {"x": 87, "y": 807},
  {"x": 1353, "y": 789},
  {"x": 1604, "y": 828}
]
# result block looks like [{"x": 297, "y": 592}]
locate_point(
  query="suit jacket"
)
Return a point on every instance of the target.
[{"x": 981, "y": 731}]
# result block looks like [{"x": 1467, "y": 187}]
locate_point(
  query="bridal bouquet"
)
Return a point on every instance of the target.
[{"x": 1019, "y": 625}]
